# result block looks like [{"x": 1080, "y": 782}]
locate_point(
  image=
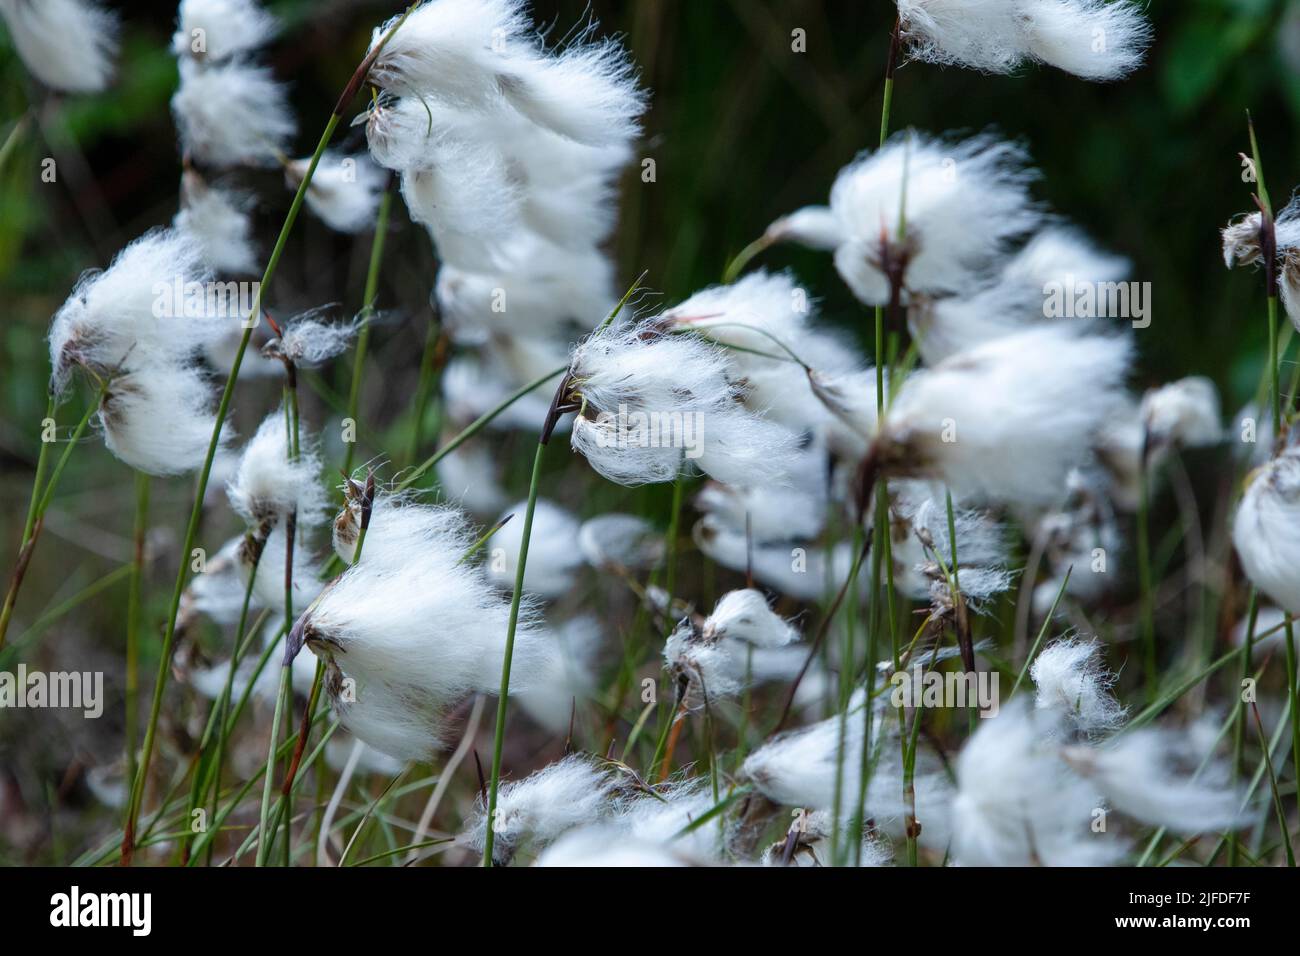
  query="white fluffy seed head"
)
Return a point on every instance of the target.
[
  {"x": 1008, "y": 420},
  {"x": 553, "y": 554},
  {"x": 268, "y": 487},
  {"x": 1019, "y": 804},
  {"x": 479, "y": 55},
  {"x": 1074, "y": 685},
  {"x": 344, "y": 190},
  {"x": 158, "y": 418},
  {"x": 652, "y": 403},
  {"x": 744, "y": 615},
  {"x": 67, "y": 44},
  {"x": 414, "y": 623},
  {"x": 1263, "y": 530},
  {"x": 308, "y": 341},
  {"x": 1184, "y": 413},
  {"x": 1162, "y": 778},
  {"x": 816, "y": 227},
  {"x": 608, "y": 846},
  {"x": 1094, "y": 39},
  {"x": 219, "y": 29},
  {"x": 1242, "y": 246},
  {"x": 621, "y": 541},
  {"x": 399, "y": 525},
  {"x": 120, "y": 318},
  {"x": 1017, "y": 296},
  {"x": 231, "y": 114},
  {"x": 960, "y": 203},
  {"x": 218, "y": 221},
  {"x": 571, "y": 792},
  {"x": 799, "y": 769}
]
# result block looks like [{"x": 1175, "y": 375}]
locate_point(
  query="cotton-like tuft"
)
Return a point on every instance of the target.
[
  {"x": 67, "y": 44},
  {"x": 654, "y": 403},
  {"x": 159, "y": 418},
  {"x": 553, "y": 556},
  {"x": 1007, "y": 420},
  {"x": 1242, "y": 246},
  {"x": 1074, "y": 685},
  {"x": 219, "y": 222},
  {"x": 308, "y": 341},
  {"x": 125, "y": 317},
  {"x": 799, "y": 769},
  {"x": 219, "y": 29},
  {"x": 1184, "y": 413},
  {"x": 480, "y": 55},
  {"x": 744, "y": 615},
  {"x": 620, "y": 541},
  {"x": 1018, "y": 803},
  {"x": 344, "y": 190},
  {"x": 571, "y": 792},
  {"x": 231, "y": 114},
  {"x": 268, "y": 487},
  {"x": 606, "y": 846},
  {"x": 1056, "y": 260},
  {"x": 415, "y": 626},
  {"x": 959, "y": 205},
  {"x": 1140, "y": 776},
  {"x": 1263, "y": 530},
  {"x": 1094, "y": 39}
]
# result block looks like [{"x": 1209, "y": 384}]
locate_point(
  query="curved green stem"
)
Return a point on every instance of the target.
[
  {"x": 502, "y": 701},
  {"x": 367, "y": 310}
]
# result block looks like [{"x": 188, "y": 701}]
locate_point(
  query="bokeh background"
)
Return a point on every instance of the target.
[{"x": 742, "y": 129}]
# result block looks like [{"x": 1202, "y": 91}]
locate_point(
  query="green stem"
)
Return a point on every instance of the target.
[
  {"x": 424, "y": 389},
  {"x": 41, "y": 459},
  {"x": 1147, "y": 629},
  {"x": 15, "y": 136},
  {"x": 41, "y": 506},
  {"x": 268, "y": 782},
  {"x": 133, "y": 621},
  {"x": 674, "y": 532},
  {"x": 196, "y": 512},
  {"x": 243, "y": 637},
  {"x": 499, "y": 739},
  {"x": 367, "y": 310}
]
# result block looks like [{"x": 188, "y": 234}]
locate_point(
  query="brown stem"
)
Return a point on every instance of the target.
[
  {"x": 20, "y": 571},
  {"x": 679, "y": 721}
]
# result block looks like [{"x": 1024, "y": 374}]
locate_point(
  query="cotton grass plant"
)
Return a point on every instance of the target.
[{"x": 968, "y": 501}]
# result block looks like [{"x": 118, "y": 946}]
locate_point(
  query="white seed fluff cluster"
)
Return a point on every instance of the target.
[
  {"x": 410, "y": 630},
  {"x": 655, "y": 403},
  {"x": 121, "y": 325},
  {"x": 67, "y": 44},
  {"x": 344, "y": 190},
  {"x": 509, "y": 152},
  {"x": 229, "y": 111},
  {"x": 1262, "y": 530},
  {"x": 1094, "y": 39}
]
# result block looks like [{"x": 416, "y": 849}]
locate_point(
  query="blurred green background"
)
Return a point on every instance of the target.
[{"x": 742, "y": 130}]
